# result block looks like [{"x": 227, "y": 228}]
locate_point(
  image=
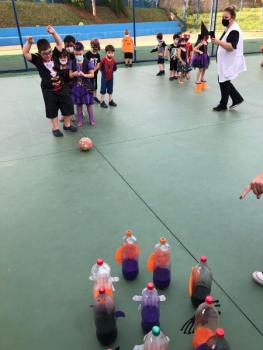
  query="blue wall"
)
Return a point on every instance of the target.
[{"x": 9, "y": 36}]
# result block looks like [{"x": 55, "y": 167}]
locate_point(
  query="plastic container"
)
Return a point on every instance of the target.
[
  {"x": 127, "y": 255},
  {"x": 216, "y": 342},
  {"x": 200, "y": 282},
  {"x": 105, "y": 318},
  {"x": 149, "y": 307},
  {"x": 101, "y": 276},
  {"x": 159, "y": 262},
  {"x": 154, "y": 340},
  {"x": 206, "y": 322}
]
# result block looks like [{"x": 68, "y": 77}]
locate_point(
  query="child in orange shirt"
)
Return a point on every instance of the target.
[{"x": 127, "y": 49}]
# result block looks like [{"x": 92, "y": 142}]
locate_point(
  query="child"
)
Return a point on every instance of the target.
[
  {"x": 183, "y": 67},
  {"x": 127, "y": 48},
  {"x": 69, "y": 44},
  {"x": 188, "y": 46},
  {"x": 173, "y": 58},
  {"x": 94, "y": 56},
  {"x": 161, "y": 48},
  {"x": 108, "y": 66},
  {"x": 200, "y": 58},
  {"x": 82, "y": 71},
  {"x": 55, "y": 92}
]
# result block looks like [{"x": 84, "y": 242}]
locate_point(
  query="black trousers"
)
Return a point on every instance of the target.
[{"x": 228, "y": 89}]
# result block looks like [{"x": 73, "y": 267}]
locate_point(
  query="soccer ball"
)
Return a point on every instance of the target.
[{"x": 85, "y": 144}]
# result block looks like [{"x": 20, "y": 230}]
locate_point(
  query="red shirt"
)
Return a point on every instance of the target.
[
  {"x": 189, "y": 49},
  {"x": 107, "y": 67}
]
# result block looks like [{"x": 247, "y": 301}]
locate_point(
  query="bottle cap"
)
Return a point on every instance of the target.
[
  {"x": 100, "y": 262},
  {"x": 102, "y": 290},
  {"x": 162, "y": 240},
  {"x": 128, "y": 233},
  {"x": 150, "y": 286},
  {"x": 209, "y": 299},
  {"x": 220, "y": 332},
  {"x": 156, "y": 331},
  {"x": 203, "y": 259}
]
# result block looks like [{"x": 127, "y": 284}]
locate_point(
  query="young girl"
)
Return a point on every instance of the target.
[
  {"x": 94, "y": 57},
  {"x": 161, "y": 48},
  {"x": 183, "y": 67},
  {"x": 200, "y": 58},
  {"x": 82, "y": 71}
]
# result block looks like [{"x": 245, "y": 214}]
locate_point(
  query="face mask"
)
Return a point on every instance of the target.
[
  {"x": 225, "y": 22},
  {"x": 160, "y": 41},
  {"x": 79, "y": 58},
  {"x": 183, "y": 44},
  {"x": 70, "y": 49},
  {"x": 63, "y": 61}
]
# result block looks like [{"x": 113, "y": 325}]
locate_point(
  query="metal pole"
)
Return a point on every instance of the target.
[
  {"x": 197, "y": 12},
  {"x": 214, "y": 28},
  {"x": 134, "y": 29},
  {"x": 19, "y": 32}
]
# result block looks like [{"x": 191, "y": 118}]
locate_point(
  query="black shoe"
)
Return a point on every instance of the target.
[
  {"x": 96, "y": 99},
  {"x": 163, "y": 72},
  {"x": 171, "y": 78},
  {"x": 219, "y": 108},
  {"x": 130, "y": 65},
  {"x": 71, "y": 128},
  {"x": 175, "y": 78},
  {"x": 126, "y": 65},
  {"x": 159, "y": 73},
  {"x": 235, "y": 104},
  {"x": 103, "y": 105},
  {"x": 112, "y": 104},
  {"x": 57, "y": 133}
]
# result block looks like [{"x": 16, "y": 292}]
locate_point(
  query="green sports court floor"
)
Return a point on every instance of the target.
[{"x": 163, "y": 164}]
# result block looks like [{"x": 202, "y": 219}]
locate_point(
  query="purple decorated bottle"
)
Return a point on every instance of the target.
[
  {"x": 127, "y": 255},
  {"x": 150, "y": 307},
  {"x": 159, "y": 262}
]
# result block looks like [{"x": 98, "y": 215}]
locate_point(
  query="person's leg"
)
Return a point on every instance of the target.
[
  {"x": 103, "y": 92},
  {"x": 110, "y": 92},
  {"x": 235, "y": 95},
  {"x": 203, "y": 74},
  {"x": 180, "y": 78},
  {"x": 80, "y": 114},
  {"x": 225, "y": 92},
  {"x": 92, "y": 120}
]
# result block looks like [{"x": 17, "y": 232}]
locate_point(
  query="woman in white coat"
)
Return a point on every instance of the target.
[{"x": 230, "y": 59}]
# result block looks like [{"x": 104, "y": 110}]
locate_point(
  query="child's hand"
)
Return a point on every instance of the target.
[
  {"x": 81, "y": 74},
  {"x": 51, "y": 30},
  {"x": 30, "y": 39},
  {"x": 76, "y": 74}
]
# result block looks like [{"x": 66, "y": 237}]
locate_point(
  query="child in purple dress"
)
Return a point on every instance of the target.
[
  {"x": 200, "y": 58},
  {"x": 82, "y": 72}
]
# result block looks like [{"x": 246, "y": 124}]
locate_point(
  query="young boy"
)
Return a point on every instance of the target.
[
  {"x": 69, "y": 44},
  {"x": 94, "y": 56},
  {"x": 173, "y": 57},
  {"x": 108, "y": 66},
  {"x": 55, "y": 92},
  {"x": 161, "y": 48},
  {"x": 127, "y": 48}
]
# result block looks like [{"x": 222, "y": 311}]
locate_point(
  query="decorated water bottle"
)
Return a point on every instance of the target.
[
  {"x": 149, "y": 307},
  {"x": 159, "y": 262},
  {"x": 105, "y": 318},
  {"x": 127, "y": 255},
  {"x": 101, "y": 276},
  {"x": 216, "y": 342},
  {"x": 206, "y": 322},
  {"x": 154, "y": 340},
  {"x": 200, "y": 282}
]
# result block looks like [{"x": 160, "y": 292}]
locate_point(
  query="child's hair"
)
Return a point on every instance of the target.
[
  {"x": 43, "y": 45},
  {"x": 109, "y": 48},
  {"x": 126, "y": 32},
  {"x": 199, "y": 39},
  {"x": 69, "y": 39},
  {"x": 95, "y": 44},
  {"x": 231, "y": 10},
  {"x": 186, "y": 36},
  {"x": 181, "y": 40},
  {"x": 159, "y": 36},
  {"x": 176, "y": 36},
  {"x": 64, "y": 53},
  {"x": 79, "y": 46}
]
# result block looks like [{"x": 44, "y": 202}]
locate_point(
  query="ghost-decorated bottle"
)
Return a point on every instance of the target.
[
  {"x": 154, "y": 340},
  {"x": 159, "y": 262},
  {"x": 127, "y": 255},
  {"x": 149, "y": 307},
  {"x": 206, "y": 322},
  {"x": 101, "y": 276},
  {"x": 200, "y": 282}
]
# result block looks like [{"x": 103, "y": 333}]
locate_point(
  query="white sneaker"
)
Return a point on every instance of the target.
[{"x": 258, "y": 277}]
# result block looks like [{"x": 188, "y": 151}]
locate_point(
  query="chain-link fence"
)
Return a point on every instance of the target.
[{"x": 108, "y": 19}]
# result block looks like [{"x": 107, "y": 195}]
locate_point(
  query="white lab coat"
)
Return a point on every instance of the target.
[{"x": 231, "y": 63}]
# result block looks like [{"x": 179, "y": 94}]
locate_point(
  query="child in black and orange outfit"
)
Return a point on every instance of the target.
[
  {"x": 55, "y": 91},
  {"x": 161, "y": 48},
  {"x": 108, "y": 66}
]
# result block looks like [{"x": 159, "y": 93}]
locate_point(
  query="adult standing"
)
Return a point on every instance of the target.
[{"x": 230, "y": 59}]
